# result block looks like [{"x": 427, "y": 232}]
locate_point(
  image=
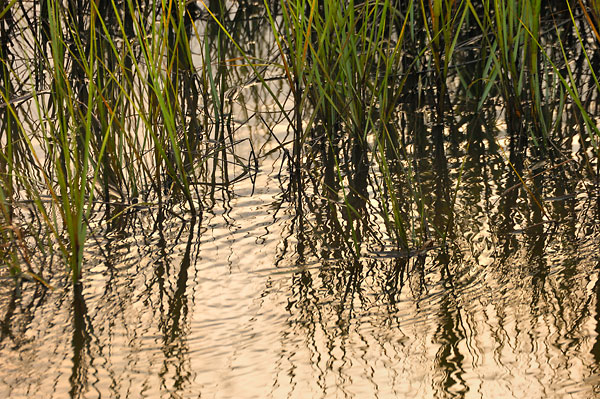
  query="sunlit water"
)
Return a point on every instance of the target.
[
  {"x": 230, "y": 307},
  {"x": 254, "y": 300}
]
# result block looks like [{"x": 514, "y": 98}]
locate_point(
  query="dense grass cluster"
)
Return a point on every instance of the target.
[
  {"x": 377, "y": 77},
  {"x": 118, "y": 106}
]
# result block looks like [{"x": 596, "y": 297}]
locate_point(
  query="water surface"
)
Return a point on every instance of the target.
[
  {"x": 243, "y": 304},
  {"x": 262, "y": 294}
]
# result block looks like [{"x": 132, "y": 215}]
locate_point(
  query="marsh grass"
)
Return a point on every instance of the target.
[
  {"x": 359, "y": 71},
  {"x": 122, "y": 106},
  {"x": 112, "y": 117}
]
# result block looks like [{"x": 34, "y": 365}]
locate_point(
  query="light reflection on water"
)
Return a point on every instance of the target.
[
  {"x": 240, "y": 305},
  {"x": 254, "y": 301}
]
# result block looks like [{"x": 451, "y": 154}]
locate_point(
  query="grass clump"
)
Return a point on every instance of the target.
[
  {"x": 101, "y": 109},
  {"x": 374, "y": 82}
]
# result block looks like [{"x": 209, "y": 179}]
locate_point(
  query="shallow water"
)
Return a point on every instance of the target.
[
  {"x": 241, "y": 304},
  {"x": 261, "y": 296}
]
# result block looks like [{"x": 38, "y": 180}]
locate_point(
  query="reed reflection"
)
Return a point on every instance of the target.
[
  {"x": 430, "y": 245},
  {"x": 510, "y": 236},
  {"x": 83, "y": 357}
]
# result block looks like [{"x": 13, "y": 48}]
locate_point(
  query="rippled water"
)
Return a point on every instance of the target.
[
  {"x": 260, "y": 296},
  {"x": 244, "y": 304}
]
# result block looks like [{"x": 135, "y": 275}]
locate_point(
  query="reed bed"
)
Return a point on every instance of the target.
[
  {"x": 103, "y": 111},
  {"x": 379, "y": 77},
  {"x": 109, "y": 108}
]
